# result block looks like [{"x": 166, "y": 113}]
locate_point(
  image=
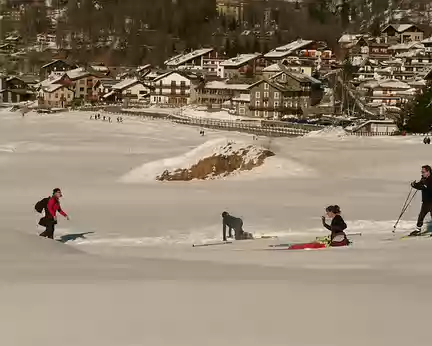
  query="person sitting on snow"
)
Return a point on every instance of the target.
[
  {"x": 337, "y": 226},
  {"x": 236, "y": 224}
]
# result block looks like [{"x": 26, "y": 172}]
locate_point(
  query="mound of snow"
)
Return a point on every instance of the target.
[
  {"x": 328, "y": 132},
  {"x": 219, "y": 157}
]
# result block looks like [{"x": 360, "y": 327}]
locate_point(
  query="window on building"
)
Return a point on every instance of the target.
[
  {"x": 56, "y": 96},
  {"x": 276, "y": 95},
  {"x": 82, "y": 90},
  {"x": 142, "y": 92},
  {"x": 173, "y": 84},
  {"x": 266, "y": 94},
  {"x": 82, "y": 81},
  {"x": 266, "y": 86},
  {"x": 265, "y": 114},
  {"x": 242, "y": 111},
  {"x": 257, "y": 113},
  {"x": 257, "y": 94},
  {"x": 257, "y": 103},
  {"x": 266, "y": 104},
  {"x": 276, "y": 104},
  {"x": 286, "y": 104}
]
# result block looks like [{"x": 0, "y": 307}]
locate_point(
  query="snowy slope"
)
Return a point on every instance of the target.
[{"x": 136, "y": 280}]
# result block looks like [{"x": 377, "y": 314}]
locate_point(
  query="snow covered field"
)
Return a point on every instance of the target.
[{"x": 134, "y": 278}]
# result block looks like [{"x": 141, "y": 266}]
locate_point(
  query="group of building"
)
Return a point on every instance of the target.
[
  {"x": 292, "y": 80},
  {"x": 269, "y": 85},
  {"x": 390, "y": 69}
]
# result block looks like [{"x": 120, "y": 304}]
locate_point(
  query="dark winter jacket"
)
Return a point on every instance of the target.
[
  {"x": 232, "y": 222},
  {"x": 425, "y": 185},
  {"x": 337, "y": 226}
]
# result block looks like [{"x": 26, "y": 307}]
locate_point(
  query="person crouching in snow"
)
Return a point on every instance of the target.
[
  {"x": 337, "y": 226},
  {"x": 236, "y": 224}
]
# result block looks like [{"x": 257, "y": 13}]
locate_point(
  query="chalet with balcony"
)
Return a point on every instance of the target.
[
  {"x": 55, "y": 66},
  {"x": 402, "y": 33},
  {"x": 132, "y": 90},
  {"x": 205, "y": 60},
  {"x": 215, "y": 93},
  {"x": 14, "y": 90},
  {"x": 176, "y": 88},
  {"x": 286, "y": 94},
  {"x": 390, "y": 92}
]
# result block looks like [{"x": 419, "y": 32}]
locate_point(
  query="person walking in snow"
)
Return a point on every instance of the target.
[
  {"x": 337, "y": 226},
  {"x": 236, "y": 224},
  {"x": 50, "y": 219},
  {"x": 425, "y": 185}
]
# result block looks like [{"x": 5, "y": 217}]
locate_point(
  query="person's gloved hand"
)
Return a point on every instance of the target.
[{"x": 413, "y": 183}]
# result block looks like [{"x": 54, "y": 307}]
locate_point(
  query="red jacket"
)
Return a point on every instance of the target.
[{"x": 54, "y": 207}]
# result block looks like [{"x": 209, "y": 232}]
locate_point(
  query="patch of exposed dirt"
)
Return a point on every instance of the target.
[{"x": 227, "y": 160}]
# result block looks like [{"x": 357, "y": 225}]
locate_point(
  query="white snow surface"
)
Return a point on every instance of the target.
[
  {"x": 328, "y": 132},
  {"x": 273, "y": 166},
  {"x": 125, "y": 273}
]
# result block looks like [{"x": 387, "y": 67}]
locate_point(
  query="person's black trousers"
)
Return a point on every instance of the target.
[{"x": 425, "y": 209}]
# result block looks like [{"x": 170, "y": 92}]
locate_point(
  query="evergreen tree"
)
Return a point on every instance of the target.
[{"x": 416, "y": 116}]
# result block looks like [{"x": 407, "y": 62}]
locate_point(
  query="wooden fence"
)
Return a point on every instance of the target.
[{"x": 227, "y": 125}]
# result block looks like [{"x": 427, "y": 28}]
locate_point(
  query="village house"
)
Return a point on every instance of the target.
[
  {"x": 306, "y": 49},
  {"x": 286, "y": 93},
  {"x": 205, "y": 60},
  {"x": 215, "y": 93},
  {"x": 105, "y": 85},
  {"x": 427, "y": 43},
  {"x": 379, "y": 127},
  {"x": 378, "y": 51},
  {"x": 175, "y": 88},
  {"x": 241, "y": 65},
  {"x": 85, "y": 84},
  {"x": 55, "y": 66},
  {"x": 241, "y": 105},
  {"x": 391, "y": 92},
  {"x": 131, "y": 90},
  {"x": 55, "y": 96},
  {"x": 354, "y": 45},
  {"x": 14, "y": 90},
  {"x": 402, "y": 33},
  {"x": 294, "y": 48}
]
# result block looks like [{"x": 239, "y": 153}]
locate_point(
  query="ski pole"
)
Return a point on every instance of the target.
[{"x": 405, "y": 206}]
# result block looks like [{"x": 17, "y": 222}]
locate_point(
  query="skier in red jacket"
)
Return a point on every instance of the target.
[{"x": 50, "y": 219}]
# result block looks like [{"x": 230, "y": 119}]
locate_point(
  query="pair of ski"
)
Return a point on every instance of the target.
[
  {"x": 230, "y": 242},
  {"x": 426, "y": 233}
]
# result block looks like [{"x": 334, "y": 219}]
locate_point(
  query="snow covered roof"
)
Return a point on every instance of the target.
[
  {"x": 427, "y": 40},
  {"x": 124, "y": 84},
  {"x": 406, "y": 46},
  {"x": 52, "y": 87},
  {"x": 53, "y": 62},
  {"x": 387, "y": 83},
  {"x": 287, "y": 49},
  {"x": 418, "y": 83},
  {"x": 53, "y": 78},
  {"x": 349, "y": 38},
  {"x": 184, "y": 58},
  {"x": 242, "y": 98},
  {"x": 100, "y": 68},
  {"x": 272, "y": 68},
  {"x": 240, "y": 60},
  {"x": 112, "y": 92},
  {"x": 400, "y": 28},
  {"x": 226, "y": 86},
  {"x": 384, "y": 122},
  {"x": 144, "y": 67},
  {"x": 77, "y": 73}
]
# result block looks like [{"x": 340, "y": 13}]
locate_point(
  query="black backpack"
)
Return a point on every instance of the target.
[{"x": 42, "y": 204}]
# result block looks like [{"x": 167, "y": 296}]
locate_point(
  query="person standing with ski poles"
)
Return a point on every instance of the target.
[{"x": 425, "y": 186}]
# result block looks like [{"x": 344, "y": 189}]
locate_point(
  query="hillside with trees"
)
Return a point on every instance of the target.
[{"x": 133, "y": 32}]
